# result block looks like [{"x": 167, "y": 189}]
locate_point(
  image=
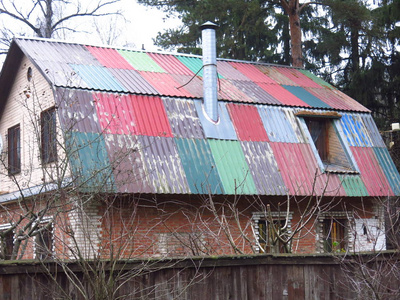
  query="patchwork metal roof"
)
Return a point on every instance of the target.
[{"x": 138, "y": 126}]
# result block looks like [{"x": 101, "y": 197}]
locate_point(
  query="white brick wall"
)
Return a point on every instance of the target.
[{"x": 369, "y": 235}]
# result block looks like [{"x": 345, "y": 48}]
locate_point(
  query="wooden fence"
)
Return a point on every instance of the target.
[{"x": 274, "y": 277}]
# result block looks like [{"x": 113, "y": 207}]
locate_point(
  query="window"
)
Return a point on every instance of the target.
[
  {"x": 334, "y": 231},
  {"x": 14, "y": 150},
  {"x": 7, "y": 244},
  {"x": 268, "y": 232},
  {"x": 322, "y": 129},
  {"x": 44, "y": 241},
  {"x": 48, "y": 135}
]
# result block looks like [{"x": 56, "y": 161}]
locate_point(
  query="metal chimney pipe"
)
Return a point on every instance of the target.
[{"x": 210, "y": 93}]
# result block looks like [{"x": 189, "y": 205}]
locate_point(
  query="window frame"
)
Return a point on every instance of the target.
[
  {"x": 48, "y": 135},
  {"x": 43, "y": 251},
  {"x": 14, "y": 149}
]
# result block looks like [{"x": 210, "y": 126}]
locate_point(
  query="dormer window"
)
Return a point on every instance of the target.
[{"x": 328, "y": 145}]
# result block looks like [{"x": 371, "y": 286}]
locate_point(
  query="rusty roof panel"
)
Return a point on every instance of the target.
[
  {"x": 263, "y": 168},
  {"x": 77, "y": 111},
  {"x": 247, "y": 122},
  {"x": 232, "y": 167},
  {"x": 183, "y": 118},
  {"x": 98, "y": 78},
  {"x": 133, "y": 82},
  {"x": 254, "y": 91},
  {"x": 329, "y": 97},
  {"x": 127, "y": 164},
  {"x": 171, "y": 64},
  {"x": 165, "y": 84},
  {"x": 273, "y": 73},
  {"x": 350, "y": 102},
  {"x": 374, "y": 134},
  {"x": 282, "y": 95},
  {"x": 252, "y": 72},
  {"x": 281, "y": 124},
  {"x": 298, "y": 77},
  {"x": 200, "y": 168},
  {"x": 307, "y": 97},
  {"x": 193, "y": 85},
  {"x": 110, "y": 58},
  {"x": 371, "y": 172},
  {"x": 223, "y": 129},
  {"x": 163, "y": 165},
  {"x": 228, "y": 91},
  {"x": 229, "y": 72},
  {"x": 355, "y": 131},
  {"x": 388, "y": 167}
]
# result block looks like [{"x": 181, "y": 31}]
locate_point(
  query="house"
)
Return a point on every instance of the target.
[{"x": 160, "y": 154}]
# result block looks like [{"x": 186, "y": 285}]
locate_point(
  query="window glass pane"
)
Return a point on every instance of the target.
[
  {"x": 48, "y": 135},
  {"x": 14, "y": 150}
]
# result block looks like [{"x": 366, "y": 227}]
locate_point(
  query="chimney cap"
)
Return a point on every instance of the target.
[{"x": 209, "y": 25}]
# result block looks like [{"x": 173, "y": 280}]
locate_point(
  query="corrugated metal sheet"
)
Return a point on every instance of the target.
[
  {"x": 263, "y": 168},
  {"x": 141, "y": 61},
  {"x": 232, "y": 167},
  {"x": 89, "y": 162},
  {"x": 127, "y": 164},
  {"x": 77, "y": 111},
  {"x": 228, "y": 91},
  {"x": 193, "y": 85},
  {"x": 223, "y": 129},
  {"x": 388, "y": 167},
  {"x": 133, "y": 82},
  {"x": 298, "y": 77},
  {"x": 163, "y": 165},
  {"x": 132, "y": 114},
  {"x": 252, "y": 72},
  {"x": 353, "y": 185},
  {"x": 275, "y": 75},
  {"x": 371, "y": 173},
  {"x": 330, "y": 98},
  {"x": 226, "y": 70},
  {"x": 170, "y": 64},
  {"x": 247, "y": 122},
  {"x": 61, "y": 74},
  {"x": 165, "y": 84},
  {"x": 281, "y": 124},
  {"x": 195, "y": 64},
  {"x": 316, "y": 79},
  {"x": 110, "y": 58},
  {"x": 98, "y": 78},
  {"x": 373, "y": 131},
  {"x": 183, "y": 118},
  {"x": 282, "y": 95},
  {"x": 355, "y": 131},
  {"x": 199, "y": 166},
  {"x": 307, "y": 97},
  {"x": 254, "y": 91},
  {"x": 350, "y": 102}
]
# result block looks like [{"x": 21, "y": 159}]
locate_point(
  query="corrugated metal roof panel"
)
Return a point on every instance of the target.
[
  {"x": 263, "y": 168},
  {"x": 388, "y": 167},
  {"x": 254, "y": 91},
  {"x": 282, "y": 95},
  {"x": 307, "y": 97},
  {"x": 281, "y": 124},
  {"x": 183, "y": 118},
  {"x": 252, "y": 72},
  {"x": 232, "y": 167},
  {"x": 89, "y": 162},
  {"x": 194, "y": 85},
  {"x": 195, "y": 64},
  {"x": 228, "y": 91},
  {"x": 127, "y": 164},
  {"x": 355, "y": 131},
  {"x": 77, "y": 111},
  {"x": 132, "y": 114},
  {"x": 199, "y": 166},
  {"x": 298, "y": 77},
  {"x": 171, "y": 64},
  {"x": 133, "y": 82},
  {"x": 163, "y": 165},
  {"x": 371, "y": 173},
  {"x": 165, "y": 84},
  {"x": 316, "y": 79},
  {"x": 373, "y": 131},
  {"x": 353, "y": 185},
  {"x": 141, "y": 61},
  {"x": 229, "y": 72},
  {"x": 247, "y": 122},
  {"x": 355, "y": 106},
  {"x": 275, "y": 75},
  {"x": 223, "y": 129},
  {"x": 110, "y": 58},
  {"x": 98, "y": 78},
  {"x": 329, "y": 97}
]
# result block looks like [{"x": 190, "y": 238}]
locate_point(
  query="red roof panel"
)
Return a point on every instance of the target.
[
  {"x": 282, "y": 95},
  {"x": 252, "y": 72},
  {"x": 298, "y": 77},
  {"x": 165, "y": 84},
  {"x": 109, "y": 58},
  {"x": 247, "y": 122},
  {"x": 171, "y": 64}
]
